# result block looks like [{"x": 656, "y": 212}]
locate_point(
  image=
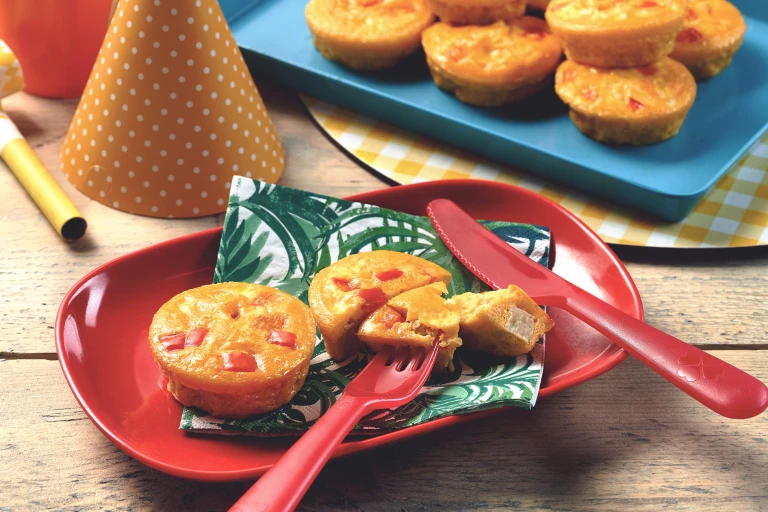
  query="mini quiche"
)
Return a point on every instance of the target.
[
  {"x": 233, "y": 349},
  {"x": 504, "y": 323},
  {"x": 416, "y": 318},
  {"x": 494, "y": 64},
  {"x": 476, "y": 12},
  {"x": 616, "y": 33},
  {"x": 639, "y": 105},
  {"x": 344, "y": 293},
  {"x": 367, "y": 34},
  {"x": 713, "y": 31}
]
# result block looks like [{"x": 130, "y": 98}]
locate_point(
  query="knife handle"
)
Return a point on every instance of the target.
[{"x": 716, "y": 384}]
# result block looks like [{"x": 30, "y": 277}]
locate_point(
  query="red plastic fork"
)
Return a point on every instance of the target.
[{"x": 390, "y": 380}]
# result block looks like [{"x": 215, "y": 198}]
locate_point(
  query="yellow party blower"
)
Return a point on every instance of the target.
[
  {"x": 38, "y": 182},
  {"x": 27, "y": 167}
]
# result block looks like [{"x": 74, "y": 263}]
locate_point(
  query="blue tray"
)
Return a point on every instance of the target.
[{"x": 666, "y": 179}]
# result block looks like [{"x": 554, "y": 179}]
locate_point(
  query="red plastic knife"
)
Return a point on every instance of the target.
[{"x": 716, "y": 384}]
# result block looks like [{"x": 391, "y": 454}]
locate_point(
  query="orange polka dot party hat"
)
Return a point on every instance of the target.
[{"x": 169, "y": 114}]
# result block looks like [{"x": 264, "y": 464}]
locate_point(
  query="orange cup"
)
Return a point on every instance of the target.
[{"x": 56, "y": 41}]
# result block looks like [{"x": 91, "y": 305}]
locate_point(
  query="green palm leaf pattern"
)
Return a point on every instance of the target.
[{"x": 281, "y": 237}]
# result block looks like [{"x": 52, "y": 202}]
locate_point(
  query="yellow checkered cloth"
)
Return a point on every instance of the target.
[{"x": 733, "y": 214}]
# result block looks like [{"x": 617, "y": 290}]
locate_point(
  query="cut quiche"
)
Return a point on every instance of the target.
[
  {"x": 504, "y": 322},
  {"x": 416, "y": 318},
  {"x": 344, "y": 293}
]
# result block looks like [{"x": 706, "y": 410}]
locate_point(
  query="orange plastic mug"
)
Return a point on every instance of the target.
[{"x": 55, "y": 41}]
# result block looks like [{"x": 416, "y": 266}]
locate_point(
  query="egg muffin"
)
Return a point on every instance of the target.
[
  {"x": 504, "y": 323},
  {"x": 367, "y": 34},
  {"x": 713, "y": 31},
  {"x": 540, "y": 5},
  {"x": 610, "y": 33},
  {"x": 344, "y": 293},
  {"x": 233, "y": 349},
  {"x": 416, "y": 318},
  {"x": 476, "y": 12},
  {"x": 493, "y": 64},
  {"x": 639, "y": 105}
]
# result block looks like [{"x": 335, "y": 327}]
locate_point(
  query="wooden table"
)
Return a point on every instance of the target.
[{"x": 626, "y": 440}]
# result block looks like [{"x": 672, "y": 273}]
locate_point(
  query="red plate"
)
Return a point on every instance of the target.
[{"x": 101, "y": 331}]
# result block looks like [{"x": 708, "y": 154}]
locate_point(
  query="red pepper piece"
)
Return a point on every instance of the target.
[
  {"x": 373, "y": 298},
  {"x": 689, "y": 35},
  {"x": 392, "y": 317},
  {"x": 648, "y": 70},
  {"x": 634, "y": 104},
  {"x": 344, "y": 284},
  {"x": 261, "y": 300},
  {"x": 239, "y": 362},
  {"x": 691, "y": 14},
  {"x": 173, "y": 341},
  {"x": 388, "y": 275},
  {"x": 282, "y": 338},
  {"x": 456, "y": 53},
  {"x": 649, "y": 3},
  {"x": 195, "y": 337},
  {"x": 369, "y": 3},
  {"x": 590, "y": 94},
  {"x": 568, "y": 76}
]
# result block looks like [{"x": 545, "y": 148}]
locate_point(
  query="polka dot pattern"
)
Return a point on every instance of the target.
[{"x": 169, "y": 114}]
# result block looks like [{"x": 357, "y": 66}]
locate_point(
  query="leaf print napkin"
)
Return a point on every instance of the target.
[{"x": 281, "y": 237}]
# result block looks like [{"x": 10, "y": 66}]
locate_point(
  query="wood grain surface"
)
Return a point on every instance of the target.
[{"x": 626, "y": 440}]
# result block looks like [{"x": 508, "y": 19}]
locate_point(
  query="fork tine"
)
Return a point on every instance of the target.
[
  {"x": 385, "y": 356},
  {"x": 402, "y": 358},
  {"x": 417, "y": 358},
  {"x": 430, "y": 354}
]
